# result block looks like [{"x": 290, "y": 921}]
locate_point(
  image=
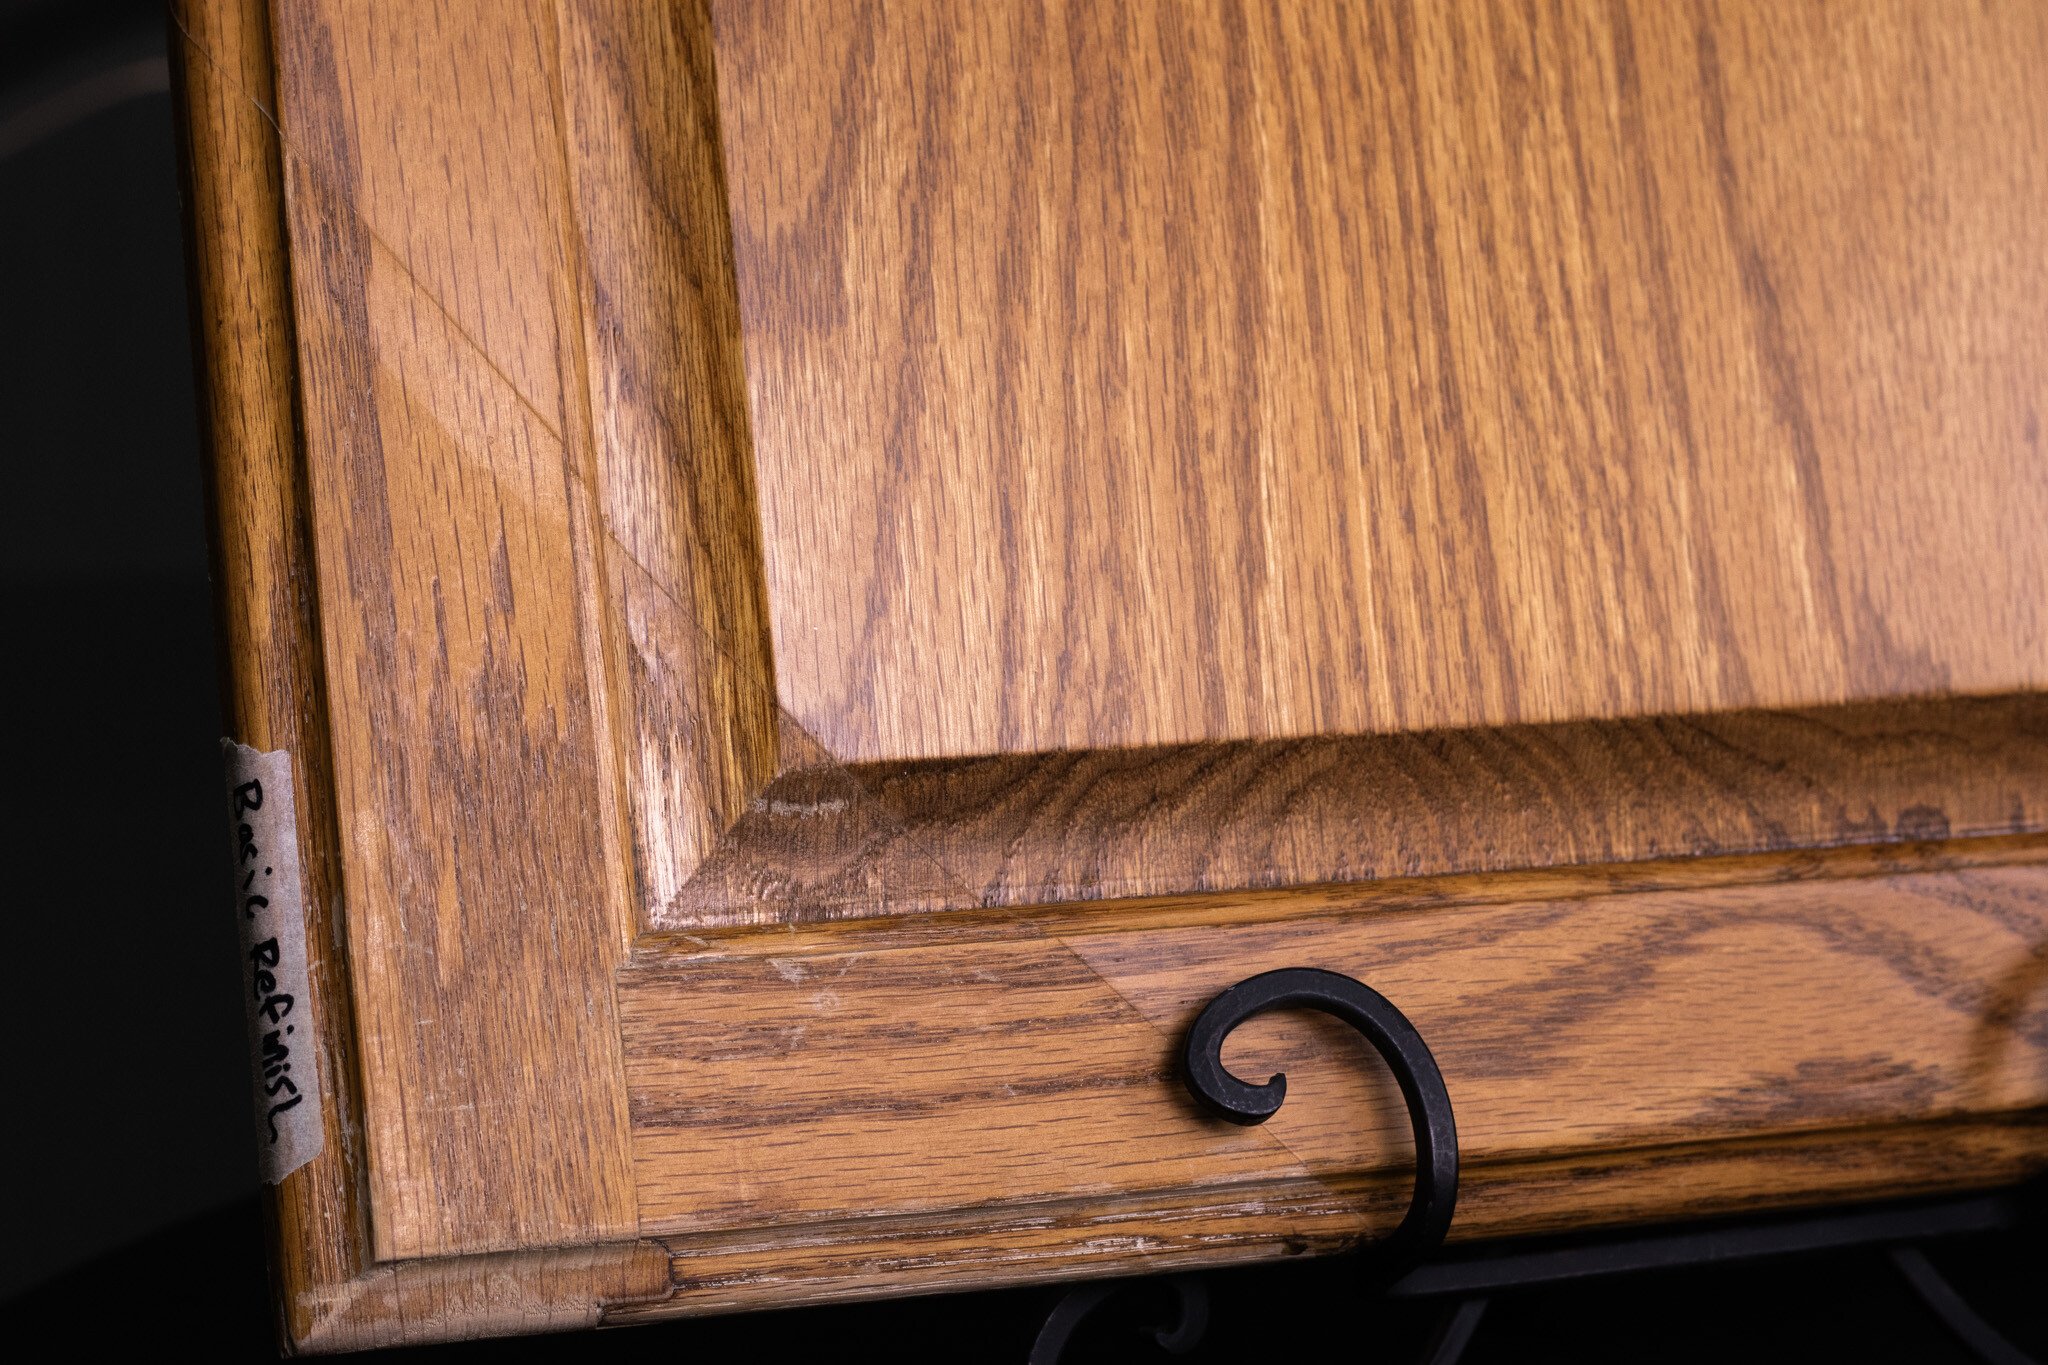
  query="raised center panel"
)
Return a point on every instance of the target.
[{"x": 1163, "y": 373}]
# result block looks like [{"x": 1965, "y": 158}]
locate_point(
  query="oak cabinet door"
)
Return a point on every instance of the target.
[{"x": 829, "y": 576}]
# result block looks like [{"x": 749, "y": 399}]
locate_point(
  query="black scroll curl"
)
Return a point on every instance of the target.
[{"x": 1422, "y": 1228}]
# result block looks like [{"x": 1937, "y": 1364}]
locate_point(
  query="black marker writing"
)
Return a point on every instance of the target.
[{"x": 284, "y": 1065}]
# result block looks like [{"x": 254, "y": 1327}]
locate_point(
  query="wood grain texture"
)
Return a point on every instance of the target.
[
  {"x": 332, "y": 1295},
  {"x": 1195, "y": 452},
  {"x": 473, "y": 769},
  {"x": 955, "y": 414},
  {"x": 829, "y": 842},
  {"x": 674, "y": 469},
  {"x": 1001, "y": 1072},
  {"x": 459, "y": 1298},
  {"x": 1148, "y": 373},
  {"x": 272, "y": 686},
  {"x": 872, "y": 1258}
]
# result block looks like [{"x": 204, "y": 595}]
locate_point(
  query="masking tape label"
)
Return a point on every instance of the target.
[{"x": 271, "y": 910}]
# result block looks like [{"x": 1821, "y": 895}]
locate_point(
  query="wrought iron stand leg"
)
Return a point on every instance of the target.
[{"x": 1421, "y": 1229}]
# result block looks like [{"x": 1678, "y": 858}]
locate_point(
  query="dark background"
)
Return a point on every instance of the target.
[{"x": 130, "y": 1215}]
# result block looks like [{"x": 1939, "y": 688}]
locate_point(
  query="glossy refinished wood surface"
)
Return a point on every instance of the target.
[
  {"x": 1156, "y": 372},
  {"x": 440, "y": 393},
  {"x": 1584, "y": 1012},
  {"x": 831, "y": 575},
  {"x": 272, "y": 689}
]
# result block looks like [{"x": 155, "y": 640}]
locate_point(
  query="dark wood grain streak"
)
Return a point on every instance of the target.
[
  {"x": 1090, "y": 469},
  {"x": 484, "y": 883},
  {"x": 1123, "y": 391},
  {"x": 1038, "y": 1068},
  {"x": 1155, "y": 373},
  {"x": 674, "y": 474},
  {"x": 830, "y": 842},
  {"x": 332, "y": 1292},
  {"x": 1062, "y": 1241}
]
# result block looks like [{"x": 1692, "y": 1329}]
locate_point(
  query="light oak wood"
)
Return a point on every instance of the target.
[
  {"x": 472, "y": 757},
  {"x": 830, "y": 575},
  {"x": 1157, "y": 373},
  {"x": 1129, "y": 393},
  {"x": 674, "y": 471},
  {"x": 985, "y": 1072},
  {"x": 332, "y": 1292}
]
